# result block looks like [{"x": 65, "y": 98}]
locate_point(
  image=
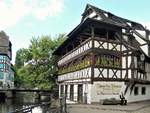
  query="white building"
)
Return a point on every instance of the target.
[
  {"x": 6, "y": 68},
  {"x": 103, "y": 57}
]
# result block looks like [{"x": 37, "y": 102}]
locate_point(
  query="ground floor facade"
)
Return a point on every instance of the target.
[
  {"x": 97, "y": 91},
  {"x": 6, "y": 80}
]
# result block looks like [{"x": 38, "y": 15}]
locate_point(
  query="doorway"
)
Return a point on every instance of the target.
[
  {"x": 66, "y": 91},
  {"x": 62, "y": 90},
  {"x": 80, "y": 93},
  {"x": 71, "y": 92}
]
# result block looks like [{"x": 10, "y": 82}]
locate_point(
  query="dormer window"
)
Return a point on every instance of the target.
[{"x": 92, "y": 14}]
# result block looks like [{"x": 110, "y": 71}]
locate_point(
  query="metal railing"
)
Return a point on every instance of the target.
[
  {"x": 28, "y": 109},
  {"x": 63, "y": 105},
  {"x": 61, "y": 109}
]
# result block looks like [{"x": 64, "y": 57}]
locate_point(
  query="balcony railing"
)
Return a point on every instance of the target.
[
  {"x": 81, "y": 74},
  {"x": 100, "y": 43},
  {"x": 78, "y": 50}
]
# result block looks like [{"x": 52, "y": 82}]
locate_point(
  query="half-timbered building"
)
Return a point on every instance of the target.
[
  {"x": 103, "y": 57},
  {"x": 6, "y": 68}
]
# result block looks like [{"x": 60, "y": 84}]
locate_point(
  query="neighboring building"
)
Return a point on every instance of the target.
[
  {"x": 6, "y": 68},
  {"x": 103, "y": 57}
]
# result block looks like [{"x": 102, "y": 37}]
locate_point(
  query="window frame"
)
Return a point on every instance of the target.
[
  {"x": 136, "y": 90},
  {"x": 143, "y": 90}
]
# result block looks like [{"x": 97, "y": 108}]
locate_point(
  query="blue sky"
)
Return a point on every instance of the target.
[{"x": 23, "y": 19}]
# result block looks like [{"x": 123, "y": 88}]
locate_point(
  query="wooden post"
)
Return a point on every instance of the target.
[
  {"x": 92, "y": 55},
  {"x": 147, "y": 37},
  {"x": 132, "y": 67},
  {"x": 63, "y": 105}
]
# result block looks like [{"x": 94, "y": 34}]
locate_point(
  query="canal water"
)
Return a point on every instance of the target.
[{"x": 22, "y": 100}]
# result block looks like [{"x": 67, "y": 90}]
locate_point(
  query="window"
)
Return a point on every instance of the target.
[
  {"x": 1, "y": 75},
  {"x": 1, "y": 57},
  {"x": 1, "y": 83},
  {"x": 136, "y": 90},
  {"x": 61, "y": 90},
  {"x": 66, "y": 90},
  {"x": 1, "y": 66},
  {"x": 143, "y": 91}
]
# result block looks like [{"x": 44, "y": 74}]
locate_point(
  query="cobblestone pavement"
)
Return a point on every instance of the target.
[{"x": 140, "y": 107}]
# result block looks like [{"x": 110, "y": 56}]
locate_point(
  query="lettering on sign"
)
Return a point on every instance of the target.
[{"x": 108, "y": 89}]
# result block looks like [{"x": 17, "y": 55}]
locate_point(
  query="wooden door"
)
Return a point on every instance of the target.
[
  {"x": 66, "y": 91},
  {"x": 71, "y": 92},
  {"x": 62, "y": 90},
  {"x": 80, "y": 93}
]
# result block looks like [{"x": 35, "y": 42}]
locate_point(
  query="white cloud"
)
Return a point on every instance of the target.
[
  {"x": 12, "y": 11},
  {"x": 51, "y": 8}
]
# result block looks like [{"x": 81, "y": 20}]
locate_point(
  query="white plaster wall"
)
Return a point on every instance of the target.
[
  {"x": 129, "y": 61},
  {"x": 135, "y": 62},
  {"x": 85, "y": 91},
  {"x": 75, "y": 92},
  {"x": 123, "y": 62},
  {"x": 68, "y": 92},
  {"x": 97, "y": 72},
  {"x": 92, "y": 14},
  {"x": 139, "y": 97},
  {"x": 97, "y": 44},
  {"x": 89, "y": 94},
  {"x": 59, "y": 90},
  {"x": 145, "y": 49},
  {"x": 98, "y": 93},
  {"x": 141, "y": 41},
  {"x": 129, "y": 73},
  {"x": 147, "y": 66},
  {"x": 148, "y": 76},
  {"x": 123, "y": 48},
  {"x": 111, "y": 73}
]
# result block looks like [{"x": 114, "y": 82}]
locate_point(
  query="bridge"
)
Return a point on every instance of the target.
[
  {"x": 10, "y": 93},
  {"x": 26, "y": 90}
]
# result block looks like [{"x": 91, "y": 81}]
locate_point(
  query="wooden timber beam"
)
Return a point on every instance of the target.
[
  {"x": 92, "y": 54},
  {"x": 110, "y": 79},
  {"x": 140, "y": 36}
]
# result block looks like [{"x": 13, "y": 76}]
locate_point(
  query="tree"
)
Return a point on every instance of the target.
[
  {"x": 40, "y": 65},
  {"x": 22, "y": 56}
]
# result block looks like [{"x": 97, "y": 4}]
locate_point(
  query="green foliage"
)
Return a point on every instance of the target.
[
  {"x": 22, "y": 55},
  {"x": 105, "y": 60},
  {"x": 76, "y": 66},
  {"x": 36, "y": 66}
]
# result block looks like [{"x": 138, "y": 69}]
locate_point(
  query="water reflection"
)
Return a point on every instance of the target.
[{"x": 22, "y": 100}]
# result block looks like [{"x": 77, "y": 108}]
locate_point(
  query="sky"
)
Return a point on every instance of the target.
[{"x": 24, "y": 19}]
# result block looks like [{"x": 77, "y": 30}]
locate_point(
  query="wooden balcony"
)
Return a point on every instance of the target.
[
  {"x": 77, "y": 75},
  {"x": 86, "y": 45},
  {"x": 99, "y": 43}
]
